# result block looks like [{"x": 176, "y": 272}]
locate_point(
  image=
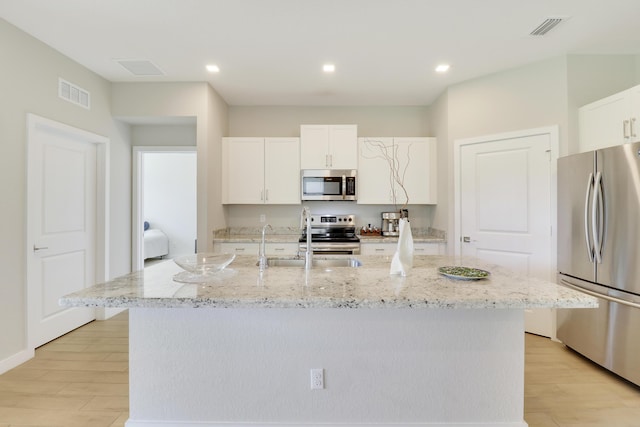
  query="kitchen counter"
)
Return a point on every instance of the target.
[
  {"x": 397, "y": 351},
  {"x": 242, "y": 286},
  {"x": 292, "y": 235}
]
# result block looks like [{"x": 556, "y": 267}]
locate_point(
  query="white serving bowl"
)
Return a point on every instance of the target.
[{"x": 204, "y": 263}]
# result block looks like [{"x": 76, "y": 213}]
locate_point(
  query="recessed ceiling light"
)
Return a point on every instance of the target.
[
  {"x": 442, "y": 68},
  {"x": 213, "y": 68},
  {"x": 328, "y": 68}
]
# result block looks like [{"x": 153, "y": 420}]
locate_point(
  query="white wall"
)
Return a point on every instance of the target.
[
  {"x": 28, "y": 84},
  {"x": 164, "y": 135},
  {"x": 188, "y": 100},
  {"x": 170, "y": 198},
  {"x": 286, "y": 121}
]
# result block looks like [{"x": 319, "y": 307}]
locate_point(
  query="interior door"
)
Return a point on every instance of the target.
[
  {"x": 61, "y": 240},
  {"x": 505, "y": 209}
]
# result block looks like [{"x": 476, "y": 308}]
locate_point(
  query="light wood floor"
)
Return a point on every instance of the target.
[{"x": 81, "y": 379}]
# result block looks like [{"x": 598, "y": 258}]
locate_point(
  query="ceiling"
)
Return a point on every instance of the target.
[{"x": 271, "y": 52}]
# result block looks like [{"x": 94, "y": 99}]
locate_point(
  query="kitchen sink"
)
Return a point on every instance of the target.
[{"x": 317, "y": 262}]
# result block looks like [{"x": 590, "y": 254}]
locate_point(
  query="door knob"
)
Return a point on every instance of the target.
[{"x": 466, "y": 239}]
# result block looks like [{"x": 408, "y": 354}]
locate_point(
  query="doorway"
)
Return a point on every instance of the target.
[
  {"x": 67, "y": 224},
  {"x": 505, "y": 206},
  {"x": 164, "y": 203}
]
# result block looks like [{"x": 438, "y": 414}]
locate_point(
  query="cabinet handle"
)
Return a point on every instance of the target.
[
  {"x": 266, "y": 198},
  {"x": 39, "y": 248},
  {"x": 239, "y": 249},
  {"x": 625, "y": 126},
  {"x": 279, "y": 249},
  {"x": 326, "y": 160},
  {"x": 379, "y": 249},
  {"x": 633, "y": 131},
  {"x": 330, "y": 160}
]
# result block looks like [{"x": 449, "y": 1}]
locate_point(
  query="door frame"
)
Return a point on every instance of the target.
[
  {"x": 137, "y": 194},
  {"x": 553, "y": 132},
  {"x": 102, "y": 207}
]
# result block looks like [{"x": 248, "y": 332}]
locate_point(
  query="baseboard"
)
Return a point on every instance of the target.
[
  {"x": 16, "y": 360},
  {"x": 131, "y": 423}
]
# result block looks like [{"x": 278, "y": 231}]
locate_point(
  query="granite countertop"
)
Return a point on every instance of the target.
[
  {"x": 241, "y": 285},
  {"x": 292, "y": 235}
]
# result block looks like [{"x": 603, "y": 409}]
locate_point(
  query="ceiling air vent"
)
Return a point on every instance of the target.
[
  {"x": 546, "y": 26},
  {"x": 140, "y": 67},
  {"x": 74, "y": 94}
]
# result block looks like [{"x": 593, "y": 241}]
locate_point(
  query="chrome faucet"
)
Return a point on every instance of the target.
[
  {"x": 308, "y": 255},
  {"x": 262, "y": 257}
]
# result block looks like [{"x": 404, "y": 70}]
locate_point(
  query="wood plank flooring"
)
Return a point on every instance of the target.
[{"x": 81, "y": 379}]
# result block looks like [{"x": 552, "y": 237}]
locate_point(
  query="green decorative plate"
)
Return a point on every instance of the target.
[{"x": 463, "y": 273}]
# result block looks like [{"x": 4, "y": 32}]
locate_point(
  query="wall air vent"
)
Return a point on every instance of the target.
[
  {"x": 74, "y": 94},
  {"x": 140, "y": 67},
  {"x": 546, "y": 26}
]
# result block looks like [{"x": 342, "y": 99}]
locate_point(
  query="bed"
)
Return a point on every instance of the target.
[{"x": 156, "y": 243}]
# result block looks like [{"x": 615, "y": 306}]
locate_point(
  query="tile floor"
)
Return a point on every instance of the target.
[{"x": 81, "y": 379}]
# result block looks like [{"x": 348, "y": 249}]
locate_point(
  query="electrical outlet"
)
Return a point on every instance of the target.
[
  {"x": 263, "y": 218},
  {"x": 317, "y": 379}
]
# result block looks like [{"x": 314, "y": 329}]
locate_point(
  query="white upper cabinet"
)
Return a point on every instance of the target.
[
  {"x": 414, "y": 159},
  {"x": 328, "y": 146},
  {"x": 374, "y": 179},
  {"x": 260, "y": 170},
  {"x": 610, "y": 121},
  {"x": 282, "y": 170}
]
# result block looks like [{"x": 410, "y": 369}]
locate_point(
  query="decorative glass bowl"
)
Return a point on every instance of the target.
[{"x": 204, "y": 263}]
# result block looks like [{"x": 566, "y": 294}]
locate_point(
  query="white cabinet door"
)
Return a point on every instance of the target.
[
  {"x": 328, "y": 146},
  {"x": 602, "y": 123},
  {"x": 429, "y": 249},
  {"x": 377, "y": 248},
  {"x": 415, "y": 160},
  {"x": 242, "y": 170},
  {"x": 238, "y": 248},
  {"x": 634, "y": 124},
  {"x": 374, "y": 173},
  {"x": 343, "y": 147},
  {"x": 418, "y": 156},
  {"x": 282, "y": 170},
  {"x": 314, "y": 147},
  {"x": 288, "y": 249}
]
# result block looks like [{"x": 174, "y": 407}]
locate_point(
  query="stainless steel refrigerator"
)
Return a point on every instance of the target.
[{"x": 599, "y": 253}]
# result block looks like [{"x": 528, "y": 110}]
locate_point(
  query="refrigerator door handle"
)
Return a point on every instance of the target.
[
  {"x": 597, "y": 210},
  {"x": 586, "y": 218},
  {"x": 599, "y": 295}
]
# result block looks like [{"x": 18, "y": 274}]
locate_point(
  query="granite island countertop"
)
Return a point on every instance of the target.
[{"x": 241, "y": 285}]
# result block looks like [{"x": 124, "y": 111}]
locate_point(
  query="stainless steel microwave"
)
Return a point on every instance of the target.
[{"x": 328, "y": 184}]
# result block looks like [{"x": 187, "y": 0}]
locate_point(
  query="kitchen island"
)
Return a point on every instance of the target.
[{"x": 422, "y": 349}]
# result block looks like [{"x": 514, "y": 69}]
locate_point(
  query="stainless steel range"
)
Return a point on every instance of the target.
[{"x": 332, "y": 234}]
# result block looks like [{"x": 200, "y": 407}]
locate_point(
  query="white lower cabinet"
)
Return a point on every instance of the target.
[
  {"x": 379, "y": 248},
  {"x": 281, "y": 249},
  {"x": 272, "y": 249},
  {"x": 237, "y": 248}
]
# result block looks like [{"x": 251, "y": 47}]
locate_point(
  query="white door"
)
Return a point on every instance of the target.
[
  {"x": 505, "y": 209},
  {"x": 61, "y": 234}
]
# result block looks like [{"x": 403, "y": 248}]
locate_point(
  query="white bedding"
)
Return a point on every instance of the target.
[{"x": 156, "y": 243}]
